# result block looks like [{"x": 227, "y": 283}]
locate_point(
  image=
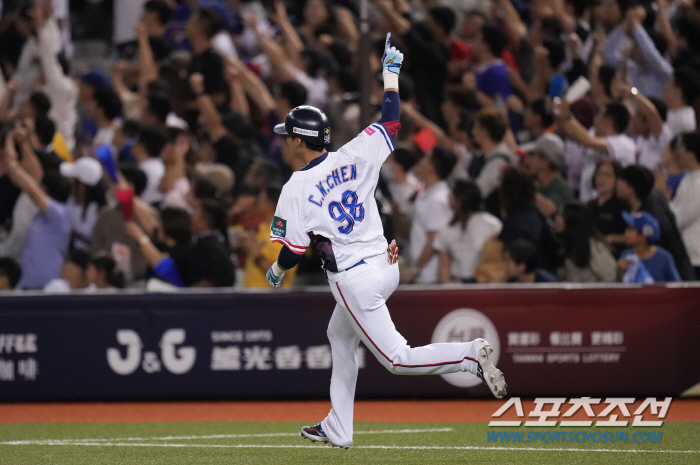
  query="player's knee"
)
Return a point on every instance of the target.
[{"x": 397, "y": 369}]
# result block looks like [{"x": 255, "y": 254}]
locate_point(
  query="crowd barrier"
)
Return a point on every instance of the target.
[{"x": 562, "y": 341}]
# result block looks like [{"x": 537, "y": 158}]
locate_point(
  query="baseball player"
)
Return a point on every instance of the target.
[{"x": 330, "y": 204}]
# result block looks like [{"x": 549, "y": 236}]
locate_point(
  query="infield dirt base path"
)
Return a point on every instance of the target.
[{"x": 375, "y": 411}]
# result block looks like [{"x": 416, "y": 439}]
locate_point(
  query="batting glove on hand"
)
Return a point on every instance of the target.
[
  {"x": 393, "y": 251},
  {"x": 275, "y": 275},
  {"x": 392, "y": 59}
]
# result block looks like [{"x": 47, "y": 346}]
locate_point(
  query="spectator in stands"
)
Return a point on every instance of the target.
[
  {"x": 175, "y": 184},
  {"x": 109, "y": 236},
  {"x": 155, "y": 17},
  {"x": 403, "y": 187},
  {"x": 521, "y": 259},
  {"x": 210, "y": 264},
  {"x": 52, "y": 73},
  {"x": 73, "y": 273},
  {"x": 230, "y": 136},
  {"x": 485, "y": 169},
  {"x": 636, "y": 186},
  {"x": 147, "y": 150},
  {"x": 670, "y": 173},
  {"x": 460, "y": 244},
  {"x": 201, "y": 28},
  {"x": 49, "y": 231},
  {"x": 522, "y": 220},
  {"x": 102, "y": 273},
  {"x": 24, "y": 209},
  {"x": 686, "y": 204},
  {"x": 260, "y": 252},
  {"x": 548, "y": 59},
  {"x": 648, "y": 69},
  {"x": 104, "y": 114},
  {"x": 171, "y": 261},
  {"x": 587, "y": 259},
  {"x": 537, "y": 119},
  {"x": 431, "y": 213},
  {"x": 429, "y": 53},
  {"x": 681, "y": 92},
  {"x": 10, "y": 273},
  {"x": 86, "y": 200},
  {"x": 606, "y": 209},
  {"x": 643, "y": 230},
  {"x": 492, "y": 79},
  {"x": 652, "y": 132},
  {"x": 609, "y": 140},
  {"x": 545, "y": 161}
]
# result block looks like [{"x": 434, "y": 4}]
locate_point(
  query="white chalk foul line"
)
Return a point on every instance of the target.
[
  {"x": 214, "y": 436},
  {"x": 280, "y": 446}
]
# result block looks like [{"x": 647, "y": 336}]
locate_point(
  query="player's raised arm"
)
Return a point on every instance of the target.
[{"x": 391, "y": 104}]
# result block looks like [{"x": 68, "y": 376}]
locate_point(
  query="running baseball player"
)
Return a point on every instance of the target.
[{"x": 330, "y": 204}]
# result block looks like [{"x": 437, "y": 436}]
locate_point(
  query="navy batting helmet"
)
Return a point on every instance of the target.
[{"x": 308, "y": 123}]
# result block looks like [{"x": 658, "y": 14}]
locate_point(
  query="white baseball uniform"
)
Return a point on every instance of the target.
[{"x": 331, "y": 204}]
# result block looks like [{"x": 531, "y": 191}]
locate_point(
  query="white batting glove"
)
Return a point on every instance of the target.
[
  {"x": 275, "y": 275},
  {"x": 391, "y": 64}
]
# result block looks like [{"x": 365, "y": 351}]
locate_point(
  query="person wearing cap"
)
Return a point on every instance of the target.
[
  {"x": 86, "y": 199},
  {"x": 49, "y": 232},
  {"x": 73, "y": 273},
  {"x": 642, "y": 231},
  {"x": 635, "y": 185},
  {"x": 545, "y": 161}
]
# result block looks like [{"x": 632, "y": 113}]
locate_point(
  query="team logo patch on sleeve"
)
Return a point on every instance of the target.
[{"x": 278, "y": 227}]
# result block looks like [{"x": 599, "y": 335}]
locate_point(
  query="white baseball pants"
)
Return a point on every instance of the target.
[{"x": 361, "y": 314}]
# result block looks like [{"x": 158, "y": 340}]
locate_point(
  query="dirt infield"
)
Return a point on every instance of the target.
[{"x": 682, "y": 410}]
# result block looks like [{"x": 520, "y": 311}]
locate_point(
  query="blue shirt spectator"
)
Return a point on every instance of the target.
[{"x": 660, "y": 265}]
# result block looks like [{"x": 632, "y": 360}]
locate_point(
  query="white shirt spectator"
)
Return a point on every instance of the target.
[
  {"x": 432, "y": 212},
  {"x": 404, "y": 194},
  {"x": 620, "y": 147},
  {"x": 316, "y": 88},
  {"x": 60, "y": 88},
  {"x": 465, "y": 245},
  {"x": 686, "y": 207},
  {"x": 61, "y": 11},
  {"x": 177, "y": 196},
  {"x": 649, "y": 149},
  {"x": 154, "y": 169},
  {"x": 681, "y": 120}
]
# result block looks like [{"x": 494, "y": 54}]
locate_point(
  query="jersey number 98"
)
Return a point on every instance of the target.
[{"x": 348, "y": 213}]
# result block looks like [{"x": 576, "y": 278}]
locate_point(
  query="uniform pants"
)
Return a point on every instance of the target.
[{"x": 361, "y": 314}]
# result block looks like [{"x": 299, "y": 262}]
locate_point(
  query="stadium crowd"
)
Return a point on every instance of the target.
[{"x": 163, "y": 170}]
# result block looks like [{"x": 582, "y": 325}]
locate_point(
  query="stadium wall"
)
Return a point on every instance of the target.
[{"x": 549, "y": 341}]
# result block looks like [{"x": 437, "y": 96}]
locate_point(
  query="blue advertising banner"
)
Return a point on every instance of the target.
[{"x": 632, "y": 341}]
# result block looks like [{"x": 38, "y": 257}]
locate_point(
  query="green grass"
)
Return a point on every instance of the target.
[{"x": 675, "y": 437}]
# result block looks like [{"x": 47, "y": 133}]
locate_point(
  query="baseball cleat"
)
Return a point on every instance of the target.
[
  {"x": 315, "y": 434},
  {"x": 488, "y": 373}
]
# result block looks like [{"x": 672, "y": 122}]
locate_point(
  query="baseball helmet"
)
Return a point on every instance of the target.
[{"x": 308, "y": 123}]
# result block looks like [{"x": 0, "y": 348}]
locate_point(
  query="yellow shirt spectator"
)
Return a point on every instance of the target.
[{"x": 256, "y": 265}]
